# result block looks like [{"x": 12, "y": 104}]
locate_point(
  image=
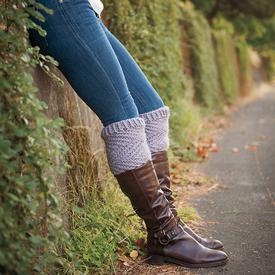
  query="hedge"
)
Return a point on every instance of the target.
[
  {"x": 150, "y": 31},
  {"x": 30, "y": 223},
  {"x": 244, "y": 65},
  {"x": 226, "y": 60},
  {"x": 202, "y": 56}
]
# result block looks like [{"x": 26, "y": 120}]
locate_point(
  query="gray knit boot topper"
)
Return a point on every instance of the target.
[
  {"x": 157, "y": 129},
  {"x": 126, "y": 145}
]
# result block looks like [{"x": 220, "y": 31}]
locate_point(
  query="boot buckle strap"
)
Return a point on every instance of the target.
[{"x": 164, "y": 238}]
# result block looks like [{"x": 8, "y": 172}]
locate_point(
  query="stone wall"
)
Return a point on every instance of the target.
[{"x": 86, "y": 154}]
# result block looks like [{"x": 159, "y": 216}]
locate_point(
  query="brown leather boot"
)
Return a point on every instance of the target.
[
  {"x": 161, "y": 165},
  {"x": 167, "y": 240}
]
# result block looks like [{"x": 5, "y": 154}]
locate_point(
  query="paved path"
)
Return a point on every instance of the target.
[{"x": 241, "y": 211}]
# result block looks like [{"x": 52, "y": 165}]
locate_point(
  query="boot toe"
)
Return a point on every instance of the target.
[
  {"x": 216, "y": 244},
  {"x": 186, "y": 251},
  {"x": 212, "y": 244},
  {"x": 215, "y": 258},
  {"x": 218, "y": 256}
]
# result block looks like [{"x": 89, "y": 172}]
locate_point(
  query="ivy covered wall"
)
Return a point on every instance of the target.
[
  {"x": 202, "y": 55},
  {"x": 30, "y": 216},
  {"x": 226, "y": 60},
  {"x": 30, "y": 153},
  {"x": 151, "y": 33}
]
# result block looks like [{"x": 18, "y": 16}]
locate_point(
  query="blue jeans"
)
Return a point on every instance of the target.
[{"x": 95, "y": 63}]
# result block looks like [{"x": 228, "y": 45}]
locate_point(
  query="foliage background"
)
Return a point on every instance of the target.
[
  {"x": 202, "y": 55},
  {"x": 214, "y": 37},
  {"x": 30, "y": 222}
]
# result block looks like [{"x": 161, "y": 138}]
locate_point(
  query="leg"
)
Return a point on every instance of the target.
[
  {"x": 76, "y": 40},
  {"x": 87, "y": 60},
  {"x": 148, "y": 103},
  {"x": 145, "y": 96}
]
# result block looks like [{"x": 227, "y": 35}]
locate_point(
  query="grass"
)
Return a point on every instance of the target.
[
  {"x": 227, "y": 66},
  {"x": 188, "y": 213},
  {"x": 98, "y": 230},
  {"x": 187, "y": 128},
  {"x": 103, "y": 229},
  {"x": 198, "y": 40}
]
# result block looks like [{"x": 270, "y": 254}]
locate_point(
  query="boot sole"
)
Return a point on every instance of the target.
[
  {"x": 160, "y": 260},
  {"x": 218, "y": 248}
]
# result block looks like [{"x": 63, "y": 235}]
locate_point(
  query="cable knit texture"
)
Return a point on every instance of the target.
[
  {"x": 157, "y": 129},
  {"x": 126, "y": 145}
]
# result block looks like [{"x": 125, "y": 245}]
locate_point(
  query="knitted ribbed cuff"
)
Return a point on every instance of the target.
[
  {"x": 161, "y": 113},
  {"x": 157, "y": 129},
  {"x": 126, "y": 145},
  {"x": 123, "y": 125}
]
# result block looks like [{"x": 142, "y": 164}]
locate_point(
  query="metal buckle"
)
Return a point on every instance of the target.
[
  {"x": 164, "y": 237},
  {"x": 164, "y": 240}
]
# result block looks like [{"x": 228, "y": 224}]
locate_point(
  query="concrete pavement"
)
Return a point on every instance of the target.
[{"x": 241, "y": 211}]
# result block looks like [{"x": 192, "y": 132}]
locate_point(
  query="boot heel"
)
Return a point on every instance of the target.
[{"x": 156, "y": 260}]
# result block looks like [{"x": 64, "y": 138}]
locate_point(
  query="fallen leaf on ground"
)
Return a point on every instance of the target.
[
  {"x": 176, "y": 178},
  {"x": 195, "y": 144},
  {"x": 122, "y": 250},
  {"x": 176, "y": 181},
  {"x": 206, "y": 145},
  {"x": 174, "y": 165},
  {"x": 123, "y": 258},
  {"x": 214, "y": 147},
  {"x": 252, "y": 148},
  {"x": 141, "y": 243},
  {"x": 262, "y": 138},
  {"x": 202, "y": 152},
  {"x": 134, "y": 254}
]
